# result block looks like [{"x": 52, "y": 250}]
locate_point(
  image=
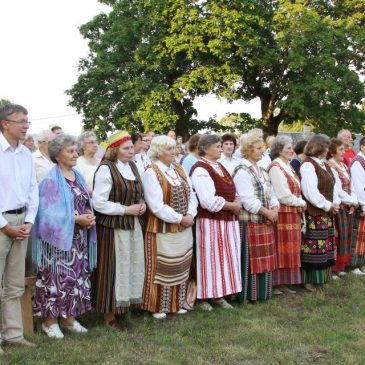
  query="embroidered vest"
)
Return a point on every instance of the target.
[
  {"x": 359, "y": 159},
  {"x": 294, "y": 186},
  {"x": 177, "y": 197},
  {"x": 264, "y": 195},
  {"x": 125, "y": 192},
  {"x": 224, "y": 187},
  {"x": 326, "y": 183},
  {"x": 345, "y": 181}
]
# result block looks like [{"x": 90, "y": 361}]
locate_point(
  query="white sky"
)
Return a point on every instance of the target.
[{"x": 40, "y": 49}]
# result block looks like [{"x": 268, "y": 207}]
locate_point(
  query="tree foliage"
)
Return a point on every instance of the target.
[{"x": 149, "y": 59}]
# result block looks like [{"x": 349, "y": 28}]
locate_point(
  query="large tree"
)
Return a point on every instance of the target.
[
  {"x": 149, "y": 59},
  {"x": 127, "y": 79},
  {"x": 301, "y": 58}
]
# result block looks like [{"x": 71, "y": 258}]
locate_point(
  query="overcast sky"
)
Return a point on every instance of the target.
[{"x": 40, "y": 49}]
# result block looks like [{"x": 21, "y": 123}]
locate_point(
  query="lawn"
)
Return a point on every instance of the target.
[{"x": 326, "y": 327}]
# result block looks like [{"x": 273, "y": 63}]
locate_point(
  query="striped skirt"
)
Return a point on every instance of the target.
[
  {"x": 344, "y": 225},
  {"x": 218, "y": 258},
  {"x": 288, "y": 244},
  {"x": 358, "y": 240},
  {"x": 118, "y": 279},
  {"x": 318, "y": 253},
  {"x": 256, "y": 286},
  {"x": 159, "y": 298}
]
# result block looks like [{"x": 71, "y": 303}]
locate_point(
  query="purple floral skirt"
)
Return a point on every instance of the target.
[{"x": 67, "y": 294}]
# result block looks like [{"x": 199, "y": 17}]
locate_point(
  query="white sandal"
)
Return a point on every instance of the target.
[
  {"x": 53, "y": 331},
  {"x": 76, "y": 327}
]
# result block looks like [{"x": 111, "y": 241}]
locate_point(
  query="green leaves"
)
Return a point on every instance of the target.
[{"x": 149, "y": 59}]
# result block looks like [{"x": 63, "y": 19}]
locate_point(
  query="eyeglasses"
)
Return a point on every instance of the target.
[{"x": 19, "y": 122}]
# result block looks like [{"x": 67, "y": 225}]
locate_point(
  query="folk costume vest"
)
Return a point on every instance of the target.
[
  {"x": 294, "y": 186},
  {"x": 263, "y": 193},
  {"x": 224, "y": 187},
  {"x": 125, "y": 192},
  {"x": 326, "y": 183},
  {"x": 176, "y": 197},
  {"x": 345, "y": 181}
]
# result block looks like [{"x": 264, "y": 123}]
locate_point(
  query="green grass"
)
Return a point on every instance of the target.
[{"x": 326, "y": 327}]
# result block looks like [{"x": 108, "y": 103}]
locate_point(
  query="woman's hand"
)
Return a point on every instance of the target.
[
  {"x": 236, "y": 206},
  {"x": 187, "y": 221},
  {"x": 335, "y": 208},
  {"x": 85, "y": 220},
  {"x": 136, "y": 209},
  {"x": 272, "y": 215}
]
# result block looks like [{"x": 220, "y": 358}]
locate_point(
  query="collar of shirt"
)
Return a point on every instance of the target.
[
  {"x": 123, "y": 165},
  {"x": 162, "y": 166},
  {"x": 5, "y": 144},
  {"x": 246, "y": 162},
  {"x": 318, "y": 160}
]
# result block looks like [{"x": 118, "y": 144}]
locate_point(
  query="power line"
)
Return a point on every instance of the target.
[{"x": 56, "y": 117}]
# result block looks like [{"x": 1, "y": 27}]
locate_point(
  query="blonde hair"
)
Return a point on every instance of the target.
[
  {"x": 158, "y": 144},
  {"x": 247, "y": 142}
]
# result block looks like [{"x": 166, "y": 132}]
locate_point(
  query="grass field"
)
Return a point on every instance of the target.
[{"x": 327, "y": 327}]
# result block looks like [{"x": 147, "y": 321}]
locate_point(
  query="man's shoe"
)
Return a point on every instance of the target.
[{"x": 22, "y": 342}]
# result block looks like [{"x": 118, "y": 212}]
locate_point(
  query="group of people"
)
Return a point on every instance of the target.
[{"x": 146, "y": 225}]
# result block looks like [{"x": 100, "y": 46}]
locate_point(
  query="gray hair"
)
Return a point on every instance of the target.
[
  {"x": 205, "y": 141},
  {"x": 81, "y": 140},
  {"x": 158, "y": 144},
  {"x": 341, "y": 133},
  {"x": 9, "y": 109},
  {"x": 58, "y": 144},
  {"x": 278, "y": 145}
]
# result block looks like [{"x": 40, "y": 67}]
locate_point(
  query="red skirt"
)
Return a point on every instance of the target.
[{"x": 261, "y": 246}]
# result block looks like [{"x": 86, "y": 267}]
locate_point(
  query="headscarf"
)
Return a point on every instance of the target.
[
  {"x": 55, "y": 222},
  {"x": 116, "y": 139}
]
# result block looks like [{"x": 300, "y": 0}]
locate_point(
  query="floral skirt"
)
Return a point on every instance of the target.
[{"x": 68, "y": 293}]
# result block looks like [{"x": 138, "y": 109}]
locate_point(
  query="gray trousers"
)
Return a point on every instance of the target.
[{"x": 12, "y": 270}]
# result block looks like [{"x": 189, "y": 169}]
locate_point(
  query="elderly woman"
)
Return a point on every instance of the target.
[
  {"x": 259, "y": 212},
  {"x": 87, "y": 163},
  {"x": 217, "y": 230},
  {"x": 64, "y": 241},
  {"x": 318, "y": 188},
  {"x": 169, "y": 240},
  {"x": 42, "y": 162},
  {"x": 357, "y": 168},
  {"x": 119, "y": 205},
  {"x": 344, "y": 217},
  {"x": 228, "y": 160},
  {"x": 286, "y": 184}
]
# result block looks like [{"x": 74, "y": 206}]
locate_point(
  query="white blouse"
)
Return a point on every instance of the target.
[
  {"x": 358, "y": 179},
  {"x": 281, "y": 187},
  {"x": 229, "y": 164},
  {"x": 103, "y": 186},
  {"x": 205, "y": 189},
  {"x": 246, "y": 190},
  {"x": 153, "y": 194},
  {"x": 87, "y": 170},
  {"x": 309, "y": 184}
]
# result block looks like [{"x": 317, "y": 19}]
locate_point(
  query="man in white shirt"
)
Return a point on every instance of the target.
[
  {"x": 18, "y": 209},
  {"x": 41, "y": 159}
]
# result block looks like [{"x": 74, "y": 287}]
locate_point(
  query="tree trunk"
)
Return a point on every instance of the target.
[
  {"x": 182, "y": 123},
  {"x": 270, "y": 123}
]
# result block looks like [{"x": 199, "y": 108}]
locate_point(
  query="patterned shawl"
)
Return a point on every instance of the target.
[{"x": 55, "y": 222}]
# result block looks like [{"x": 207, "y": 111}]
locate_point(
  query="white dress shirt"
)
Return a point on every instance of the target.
[
  {"x": 229, "y": 163},
  {"x": 281, "y": 186},
  {"x": 205, "y": 189},
  {"x": 18, "y": 184},
  {"x": 153, "y": 194},
  {"x": 246, "y": 190},
  {"x": 42, "y": 165},
  {"x": 142, "y": 161},
  {"x": 309, "y": 184},
  {"x": 103, "y": 186},
  {"x": 358, "y": 179}
]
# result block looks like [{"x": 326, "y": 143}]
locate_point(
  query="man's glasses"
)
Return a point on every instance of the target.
[{"x": 19, "y": 122}]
